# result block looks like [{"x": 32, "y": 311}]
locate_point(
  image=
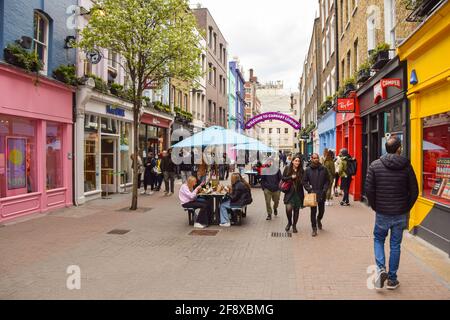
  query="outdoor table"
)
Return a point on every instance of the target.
[
  {"x": 217, "y": 198},
  {"x": 252, "y": 177}
]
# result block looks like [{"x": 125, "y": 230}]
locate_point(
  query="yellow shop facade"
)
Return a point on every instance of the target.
[{"x": 427, "y": 52}]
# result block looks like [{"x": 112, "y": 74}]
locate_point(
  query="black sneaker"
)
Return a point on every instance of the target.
[
  {"x": 269, "y": 217},
  {"x": 392, "y": 284},
  {"x": 319, "y": 224},
  {"x": 275, "y": 212},
  {"x": 381, "y": 279}
]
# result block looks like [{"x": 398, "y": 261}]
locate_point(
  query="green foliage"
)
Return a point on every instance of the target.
[
  {"x": 116, "y": 89},
  {"x": 365, "y": 66},
  {"x": 158, "y": 105},
  {"x": 184, "y": 115},
  {"x": 66, "y": 74},
  {"x": 380, "y": 48},
  {"x": 18, "y": 56},
  {"x": 156, "y": 38},
  {"x": 100, "y": 84},
  {"x": 350, "y": 81}
]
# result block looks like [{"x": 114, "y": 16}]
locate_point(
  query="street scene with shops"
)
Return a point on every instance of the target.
[{"x": 153, "y": 149}]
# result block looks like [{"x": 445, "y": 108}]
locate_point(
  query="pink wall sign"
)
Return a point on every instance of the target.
[{"x": 273, "y": 116}]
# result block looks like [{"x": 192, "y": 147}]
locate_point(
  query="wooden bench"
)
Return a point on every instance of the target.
[
  {"x": 192, "y": 214},
  {"x": 238, "y": 213}
]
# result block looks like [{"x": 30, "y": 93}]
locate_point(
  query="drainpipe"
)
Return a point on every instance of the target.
[
  {"x": 336, "y": 19},
  {"x": 74, "y": 121}
]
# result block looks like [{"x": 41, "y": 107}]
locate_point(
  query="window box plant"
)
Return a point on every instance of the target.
[
  {"x": 66, "y": 74},
  {"x": 18, "y": 56},
  {"x": 116, "y": 89},
  {"x": 363, "y": 72},
  {"x": 349, "y": 85},
  {"x": 380, "y": 56}
]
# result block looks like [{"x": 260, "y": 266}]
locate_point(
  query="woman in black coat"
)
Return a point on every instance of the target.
[{"x": 293, "y": 199}]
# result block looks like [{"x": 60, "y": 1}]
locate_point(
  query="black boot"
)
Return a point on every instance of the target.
[
  {"x": 289, "y": 217},
  {"x": 319, "y": 224},
  {"x": 294, "y": 229},
  {"x": 314, "y": 233},
  {"x": 288, "y": 227}
]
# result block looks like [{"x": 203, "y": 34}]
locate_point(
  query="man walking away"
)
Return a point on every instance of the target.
[
  {"x": 347, "y": 169},
  {"x": 186, "y": 166},
  {"x": 316, "y": 180},
  {"x": 391, "y": 189},
  {"x": 270, "y": 185},
  {"x": 168, "y": 169}
]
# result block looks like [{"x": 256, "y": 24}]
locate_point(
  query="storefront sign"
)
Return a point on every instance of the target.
[
  {"x": 273, "y": 116},
  {"x": 155, "y": 121},
  {"x": 115, "y": 111},
  {"x": 16, "y": 166},
  {"x": 379, "y": 90},
  {"x": 345, "y": 106}
]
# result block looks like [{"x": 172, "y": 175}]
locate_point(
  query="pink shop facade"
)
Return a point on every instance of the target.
[{"x": 35, "y": 144}]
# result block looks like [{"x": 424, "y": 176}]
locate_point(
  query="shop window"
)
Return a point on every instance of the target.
[
  {"x": 91, "y": 155},
  {"x": 125, "y": 152},
  {"x": 17, "y": 156},
  {"x": 54, "y": 156},
  {"x": 436, "y": 158},
  {"x": 109, "y": 125}
]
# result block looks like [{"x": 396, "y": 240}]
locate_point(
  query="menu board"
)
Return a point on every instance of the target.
[
  {"x": 441, "y": 187},
  {"x": 16, "y": 163}
]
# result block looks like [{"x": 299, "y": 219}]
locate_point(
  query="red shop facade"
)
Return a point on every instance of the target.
[{"x": 349, "y": 136}]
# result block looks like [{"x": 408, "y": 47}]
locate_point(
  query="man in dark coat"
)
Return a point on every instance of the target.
[
  {"x": 270, "y": 185},
  {"x": 316, "y": 180},
  {"x": 392, "y": 189},
  {"x": 168, "y": 170}
]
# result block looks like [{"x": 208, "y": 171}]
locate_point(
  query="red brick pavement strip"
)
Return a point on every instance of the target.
[{"x": 157, "y": 259}]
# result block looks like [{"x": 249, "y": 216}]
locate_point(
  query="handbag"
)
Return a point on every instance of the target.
[
  {"x": 310, "y": 200},
  {"x": 285, "y": 186}
]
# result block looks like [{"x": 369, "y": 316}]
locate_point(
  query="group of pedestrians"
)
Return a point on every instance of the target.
[{"x": 153, "y": 171}]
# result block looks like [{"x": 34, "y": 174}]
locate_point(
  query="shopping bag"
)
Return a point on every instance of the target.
[{"x": 310, "y": 200}]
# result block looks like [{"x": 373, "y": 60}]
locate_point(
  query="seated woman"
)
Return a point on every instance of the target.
[
  {"x": 188, "y": 198},
  {"x": 240, "y": 195}
]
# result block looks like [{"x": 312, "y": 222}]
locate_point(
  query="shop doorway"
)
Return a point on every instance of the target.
[{"x": 108, "y": 164}]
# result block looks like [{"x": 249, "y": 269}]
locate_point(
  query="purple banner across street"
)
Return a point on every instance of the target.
[{"x": 273, "y": 116}]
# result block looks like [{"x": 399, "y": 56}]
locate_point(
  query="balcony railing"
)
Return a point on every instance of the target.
[{"x": 421, "y": 9}]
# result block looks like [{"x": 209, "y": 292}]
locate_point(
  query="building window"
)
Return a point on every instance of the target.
[
  {"x": 54, "y": 151},
  {"x": 18, "y": 172},
  {"x": 278, "y": 130},
  {"x": 286, "y": 130},
  {"x": 215, "y": 43},
  {"x": 215, "y": 76},
  {"x": 221, "y": 52},
  {"x": 349, "y": 64},
  {"x": 436, "y": 158},
  {"x": 332, "y": 36},
  {"x": 389, "y": 16},
  {"x": 342, "y": 16},
  {"x": 371, "y": 33},
  {"x": 125, "y": 152},
  {"x": 186, "y": 105},
  {"x": 270, "y": 130},
  {"x": 355, "y": 55},
  {"x": 210, "y": 73},
  {"x": 220, "y": 84},
  {"x": 40, "y": 41}
]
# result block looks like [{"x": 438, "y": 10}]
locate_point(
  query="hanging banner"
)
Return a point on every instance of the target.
[
  {"x": 273, "y": 116},
  {"x": 345, "y": 106},
  {"x": 379, "y": 90}
]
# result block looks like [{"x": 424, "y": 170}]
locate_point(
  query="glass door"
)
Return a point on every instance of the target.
[{"x": 108, "y": 164}]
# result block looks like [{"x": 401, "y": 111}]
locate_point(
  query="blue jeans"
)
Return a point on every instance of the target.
[
  {"x": 224, "y": 218},
  {"x": 384, "y": 223}
]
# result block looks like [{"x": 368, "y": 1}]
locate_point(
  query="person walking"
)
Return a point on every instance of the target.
[
  {"x": 329, "y": 165},
  {"x": 159, "y": 174},
  {"x": 337, "y": 163},
  {"x": 188, "y": 199},
  {"x": 324, "y": 156},
  {"x": 345, "y": 175},
  {"x": 316, "y": 180},
  {"x": 392, "y": 190},
  {"x": 168, "y": 170},
  {"x": 293, "y": 198},
  {"x": 149, "y": 174},
  {"x": 270, "y": 186}
]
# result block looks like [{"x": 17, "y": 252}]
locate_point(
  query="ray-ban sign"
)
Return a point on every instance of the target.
[
  {"x": 273, "y": 116},
  {"x": 345, "y": 106}
]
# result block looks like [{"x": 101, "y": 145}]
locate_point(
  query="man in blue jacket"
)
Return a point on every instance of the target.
[
  {"x": 270, "y": 186},
  {"x": 392, "y": 190}
]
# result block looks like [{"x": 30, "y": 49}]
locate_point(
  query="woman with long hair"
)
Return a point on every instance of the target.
[
  {"x": 293, "y": 199},
  {"x": 188, "y": 198},
  {"x": 329, "y": 165},
  {"x": 240, "y": 195}
]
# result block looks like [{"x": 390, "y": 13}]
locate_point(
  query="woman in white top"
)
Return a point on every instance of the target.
[{"x": 188, "y": 199}]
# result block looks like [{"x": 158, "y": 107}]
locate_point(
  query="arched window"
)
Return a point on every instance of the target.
[{"x": 40, "y": 43}]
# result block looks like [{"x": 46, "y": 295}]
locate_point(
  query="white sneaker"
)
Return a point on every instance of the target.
[
  {"x": 169, "y": 194},
  {"x": 143, "y": 192},
  {"x": 150, "y": 193},
  {"x": 166, "y": 193},
  {"x": 226, "y": 225},
  {"x": 199, "y": 226}
]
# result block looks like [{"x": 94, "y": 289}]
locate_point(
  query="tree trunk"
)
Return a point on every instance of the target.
[{"x": 134, "y": 198}]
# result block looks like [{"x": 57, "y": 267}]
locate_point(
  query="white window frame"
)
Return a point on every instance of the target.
[
  {"x": 40, "y": 16},
  {"x": 390, "y": 23},
  {"x": 324, "y": 54},
  {"x": 332, "y": 33},
  {"x": 371, "y": 32}
]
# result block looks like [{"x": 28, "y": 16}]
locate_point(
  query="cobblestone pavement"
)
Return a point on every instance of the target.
[{"x": 158, "y": 259}]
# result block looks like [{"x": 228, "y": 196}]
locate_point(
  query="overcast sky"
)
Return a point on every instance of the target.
[{"x": 270, "y": 36}]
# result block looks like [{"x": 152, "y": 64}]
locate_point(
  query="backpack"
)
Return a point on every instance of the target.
[{"x": 351, "y": 167}]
